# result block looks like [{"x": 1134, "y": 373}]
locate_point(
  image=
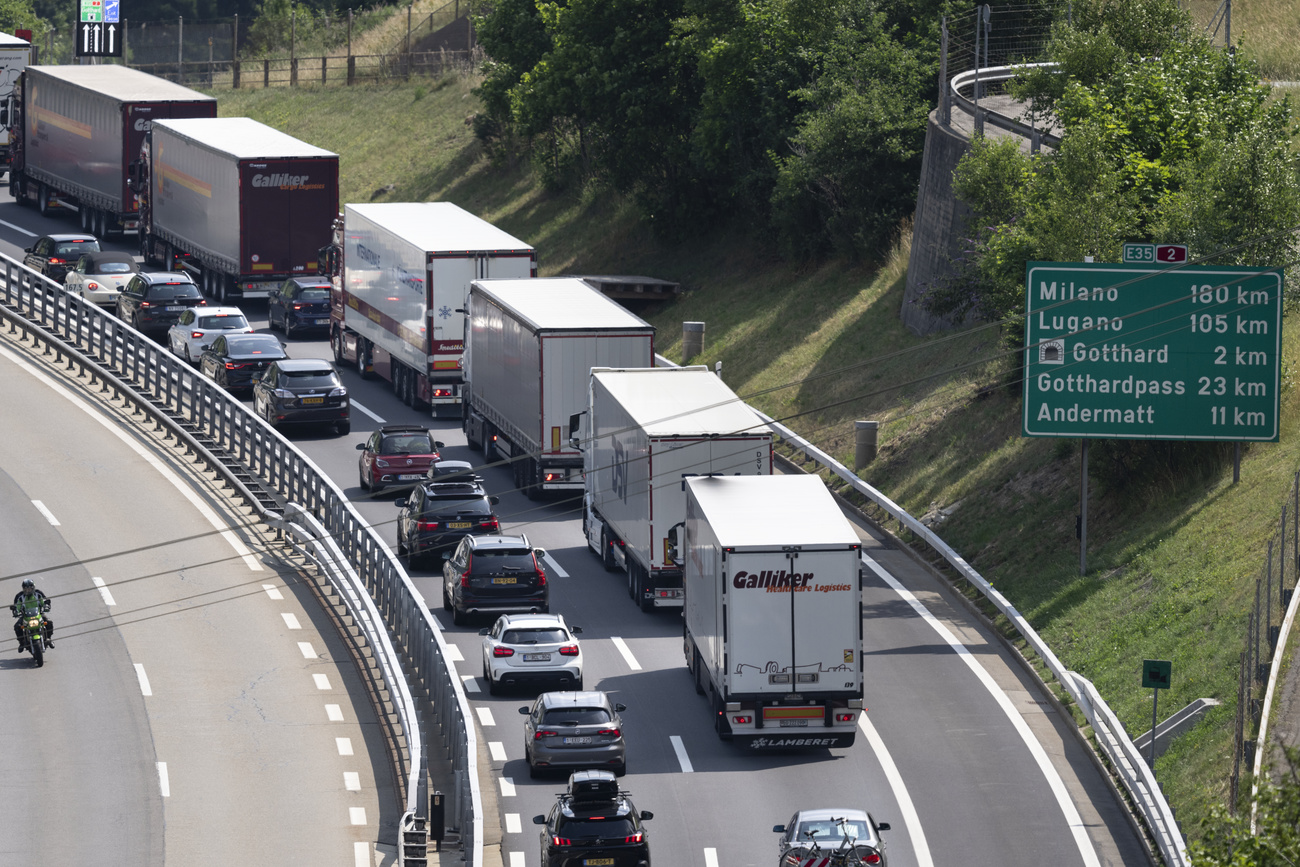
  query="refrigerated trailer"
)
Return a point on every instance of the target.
[
  {"x": 238, "y": 204},
  {"x": 773, "y": 613},
  {"x": 642, "y": 434},
  {"x": 15, "y": 54},
  {"x": 400, "y": 273},
  {"x": 78, "y": 128},
  {"x": 529, "y": 350}
]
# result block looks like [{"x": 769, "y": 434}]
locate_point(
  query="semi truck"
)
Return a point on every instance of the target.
[
  {"x": 530, "y": 346},
  {"x": 773, "y": 613},
  {"x": 400, "y": 273},
  {"x": 239, "y": 205},
  {"x": 15, "y": 54},
  {"x": 643, "y": 432},
  {"x": 76, "y": 131}
]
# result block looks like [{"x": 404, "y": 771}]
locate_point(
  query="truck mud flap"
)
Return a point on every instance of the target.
[{"x": 804, "y": 740}]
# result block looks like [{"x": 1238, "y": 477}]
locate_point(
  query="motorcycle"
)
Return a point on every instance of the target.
[{"x": 33, "y": 627}]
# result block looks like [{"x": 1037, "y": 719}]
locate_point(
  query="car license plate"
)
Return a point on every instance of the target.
[
  {"x": 458, "y": 525},
  {"x": 321, "y": 321},
  {"x": 537, "y": 657},
  {"x": 409, "y": 478},
  {"x": 174, "y": 309},
  {"x": 309, "y": 401},
  {"x": 598, "y": 862},
  {"x": 508, "y": 580},
  {"x": 794, "y": 723},
  {"x": 581, "y": 740}
]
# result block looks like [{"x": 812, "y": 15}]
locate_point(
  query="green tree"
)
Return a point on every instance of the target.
[
  {"x": 19, "y": 15},
  {"x": 1228, "y": 840}
]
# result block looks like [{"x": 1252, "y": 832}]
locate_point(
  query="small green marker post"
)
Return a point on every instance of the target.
[{"x": 1155, "y": 676}]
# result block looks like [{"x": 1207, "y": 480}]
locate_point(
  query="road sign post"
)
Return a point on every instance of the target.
[{"x": 1155, "y": 676}]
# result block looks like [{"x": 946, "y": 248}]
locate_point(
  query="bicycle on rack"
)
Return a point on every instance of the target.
[{"x": 856, "y": 840}]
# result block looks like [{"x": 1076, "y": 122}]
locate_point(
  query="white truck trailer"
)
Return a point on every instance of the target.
[
  {"x": 15, "y": 54},
  {"x": 401, "y": 273},
  {"x": 529, "y": 349},
  {"x": 644, "y": 432},
  {"x": 773, "y": 614}
]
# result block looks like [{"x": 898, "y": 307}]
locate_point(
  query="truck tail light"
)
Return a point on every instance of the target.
[
  {"x": 442, "y": 392},
  {"x": 553, "y": 477},
  {"x": 569, "y": 650},
  {"x": 844, "y": 717},
  {"x": 742, "y": 719},
  {"x": 502, "y": 652}
]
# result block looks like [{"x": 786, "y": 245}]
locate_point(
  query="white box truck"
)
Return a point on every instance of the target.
[
  {"x": 644, "y": 432},
  {"x": 773, "y": 614},
  {"x": 530, "y": 346},
  {"x": 15, "y": 54},
  {"x": 401, "y": 273}
]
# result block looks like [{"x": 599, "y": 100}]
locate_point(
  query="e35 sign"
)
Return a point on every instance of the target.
[{"x": 1145, "y": 352}]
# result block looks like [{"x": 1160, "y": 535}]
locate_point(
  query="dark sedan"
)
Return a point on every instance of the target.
[
  {"x": 232, "y": 360},
  {"x": 300, "y": 304}
]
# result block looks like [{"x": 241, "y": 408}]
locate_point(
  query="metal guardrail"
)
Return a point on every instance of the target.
[
  {"x": 372, "y": 581},
  {"x": 969, "y": 79},
  {"x": 1137, "y": 778}
]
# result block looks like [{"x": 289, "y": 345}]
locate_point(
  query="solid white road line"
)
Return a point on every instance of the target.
[
  {"x": 498, "y": 751},
  {"x": 357, "y": 815},
  {"x": 334, "y": 713},
  {"x": 485, "y": 716},
  {"x": 454, "y": 654},
  {"x": 344, "y": 745},
  {"x": 627, "y": 654},
  {"x": 273, "y": 591},
  {"x": 470, "y": 682},
  {"x": 352, "y": 781},
  {"x": 44, "y": 510},
  {"x": 1072, "y": 818},
  {"x": 307, "y": 651},
  {"x": 379, "y": 419},
  {"x": 290, "y": 620},
  {"x": 361, "y": 855},
  {"x": 145, "y": 689},
  {"x": 911, "y": 818},
  {"x": 682, "y": 759},
  {"x": 185, "y": 489},
  {"x": 710, "y": 858},
  {"x": 322, "y": 682},
  {"x": 513, "y": 825},
  {"x": 18, "y": 229},
  {"x": 164, "y": 783},
  {"x": 103, "y": 591},
  {"x": 550, "y": 561}
]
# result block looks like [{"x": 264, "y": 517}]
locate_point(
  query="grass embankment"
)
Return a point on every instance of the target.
[{"x": 1172, "y": 565}]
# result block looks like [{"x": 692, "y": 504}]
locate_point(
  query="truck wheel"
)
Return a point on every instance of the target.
[
  {"x": 475, "y": 444},
  {"x": 696, "y": 673},
  {"x": 606, "y": 552},
  {"x": 43, "y": 200},
  {"x": 87, "y": 224},
  {"x": 336, "y": 343},
  {"x": 489, "y": 447},
  {"x": 365, "y": 355},
  {"x": 532, "y": 479},
  {"x": 100, "y": 219}
]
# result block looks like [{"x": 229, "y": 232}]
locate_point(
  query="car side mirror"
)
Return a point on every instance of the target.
[
  {"x": 882, "y": 826},
  {"x": 576, "y": 630},
  {"x": 438, "y": 445},
  {"x": 620, "y": 708},
  {"x": 257, "y": 377},
  {"x": 646, "y": 815},
  {"x": 206, "y": 346},
  {"x": 525, "y": 710},
  {"x": 446, "y": 555},
  {"x": 361, "y": 447},
  {"x": 539, "y": 820},
  {"x": 540, "y": 552},
  {"x": 401, "y": 504},
  {"x": 494, "y": 500},
  {"x": 778, "y": 829},
  {"x": 485, "y": 630}
]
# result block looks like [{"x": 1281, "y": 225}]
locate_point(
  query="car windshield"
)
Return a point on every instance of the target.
[
  {"x": 824, "y": 829},
  {"x": 577, "y": 716},
  {"x": 112, "y": 268},
  {"x": 406, "y": 444},
  {"x": 487, "y": 560},
  {"x": 254, "y": 344},
  {"x": 309, "y": 378},
  {"x": 223, "y": 321},
  {"x": 173, "y": 292},
  {"x": 72, "y": 248},
  {"x": 534, "y": 635},
  {"x": 315, "y": 295},
  {"x": 475, "y": 506},
  {"x": 587, "y": 829}
]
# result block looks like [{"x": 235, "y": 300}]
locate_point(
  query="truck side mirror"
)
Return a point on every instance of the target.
[
  {"x": 575, "y": 429},
  {"x": 675, "y": 533}
]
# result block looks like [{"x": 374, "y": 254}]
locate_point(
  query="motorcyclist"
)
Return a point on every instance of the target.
[{"x": 29, "y": 600}]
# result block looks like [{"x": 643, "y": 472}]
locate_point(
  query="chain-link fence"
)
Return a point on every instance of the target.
[{"x": 1000, "y": 35}]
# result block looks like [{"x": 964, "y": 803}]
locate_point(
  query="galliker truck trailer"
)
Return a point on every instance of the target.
[
  {"x": 773, "y": 614},
  {"x": 76, "y": 131},
  {"x": 401, "y": 273},
  {"x": 529, "y": 350},
  {"x": 643, "y": 433},
  {"x": 238, "y": 204}
]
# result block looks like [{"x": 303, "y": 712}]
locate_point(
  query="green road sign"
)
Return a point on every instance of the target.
[
  {"x": 1156, "y": 673},
  {"x": 1145, "y": 352},
  {"x": 92, "y": 10}
]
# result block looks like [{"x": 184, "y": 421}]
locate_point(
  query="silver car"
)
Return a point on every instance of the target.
[
  {"x": 817, "y": 834},
  {"x": 567, "y": 730}
]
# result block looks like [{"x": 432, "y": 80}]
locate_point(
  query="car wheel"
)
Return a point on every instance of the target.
[
  {"x": 458, "y": 618},
  {"x": 446, "y": 599},
  {"x": 533, "y": 772},
  {"x": 620, "y": 770},
  {"x": 344, "y": 427},
  {"x": 361, "y": 480}
]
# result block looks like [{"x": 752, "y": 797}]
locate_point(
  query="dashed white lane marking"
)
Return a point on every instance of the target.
[
  {"x": 185, "y": 489},
  {"x": 507, "y": 787},
  {"x": 352, "y": 781},
  {"x": 273, "y": 591},
  {"x": 513, "y": 825},
  {"x": 357, "y": 815},
  {"x": 627, "y": 653},
  {"x": 44, "y": 510},
  {"x": 322, "y": 682},
  {"x": 361, "y": 855},
  {"x": 307, "y": 651},
  {"x": 290, "y": 620},
  {"x": 379, "y": 419},
  {"x": 516, "y": 859},
  {"x": 682, "y": 759},
  {"x": 911, "y": 818},
  {"x": 710, "y": 858},
  {"x": 485, "y": 717},
  {"x": 18, "y": 229},
  {"x": 164, "y": 782},
  {"x": 550, "y": 561},
  {"x": 1072, "y": 818},
  {"x": 145, "y": 689},
  {"x": 454, "y": 654},
  {"x": 334, "y": 713},
  {"x": 498, "y": 751},
  {"x": 344, "y": 745},
  {"x": 470, "y": 682},
  {"x": 103, "y": 591}
]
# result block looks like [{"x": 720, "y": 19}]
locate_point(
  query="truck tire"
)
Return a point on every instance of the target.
[
  {"x": 100, "y": 219},
  {"x": 87, "y": 224},
  {"x": 364, "y": 357},
  {"x": 336, "y": 343},
  {"x": 606, "y": 554},
  {"x": 697, "y": 674},
  {"x": 43, "y": 200},
  {"x": 490, "y": 454},
  {"x": 475, "y": 444},
  {"x": 532, "y": 479}
]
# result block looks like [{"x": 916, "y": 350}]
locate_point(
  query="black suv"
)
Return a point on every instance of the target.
[
  {"x": 494, "y": 575},
  {"x": 594, "y": 823},
  {"x": 294, "y": 390},
  {"x": 299, "y": 304},
  {"x": 437, "y": 515},
  {"x": 153, "y": 302},
  {"x": 53, "y": 255}
]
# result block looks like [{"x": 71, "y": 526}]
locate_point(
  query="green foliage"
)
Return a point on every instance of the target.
[
  {"x": 1228, "y": 840},
  {"x": 19, "y": 15}
]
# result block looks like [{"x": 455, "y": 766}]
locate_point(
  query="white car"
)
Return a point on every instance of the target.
[
  {"x": 531, "y": 648},
  {"x": 199, "y": 326},
  {"x": 99, "y": 277}
]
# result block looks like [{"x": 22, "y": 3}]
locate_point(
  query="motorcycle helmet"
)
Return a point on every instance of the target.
[{"x": 29, "y": 584}]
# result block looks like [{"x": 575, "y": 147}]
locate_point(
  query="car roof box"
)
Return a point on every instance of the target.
[{"x": 590, "y": 787}]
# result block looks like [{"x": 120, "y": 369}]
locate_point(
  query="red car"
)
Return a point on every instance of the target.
[{"x": 396, "y": 455}]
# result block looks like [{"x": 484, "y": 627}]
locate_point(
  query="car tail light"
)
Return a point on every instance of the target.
[
  {"x": 871, "y": 858},
  {"x": 543, "y": 733},
  {"x": 501, "y": 652},
  {"x": 490, "y": 524},
  {"x": 560, "y": 841},
  {"x": 569, "y": 650},
  {"x": 634, "y": 838},
  {"x": 426, "y": 526},
  {"x": 541, "y": 578},
  {"x": 55, "y": 260},
  {"x": 230, "y": 365},
  {"x": 613, "y": 733},
  {"x": 297, "y": 307},
  {"x": 743, "y": 719},
  {"x": 145, "y": 304},
  {"x": 92, "y": 285},
  {"x": 196, "y": 334}
]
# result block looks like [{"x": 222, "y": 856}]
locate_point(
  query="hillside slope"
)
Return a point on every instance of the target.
[{"x": 1173, "y": 558}]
